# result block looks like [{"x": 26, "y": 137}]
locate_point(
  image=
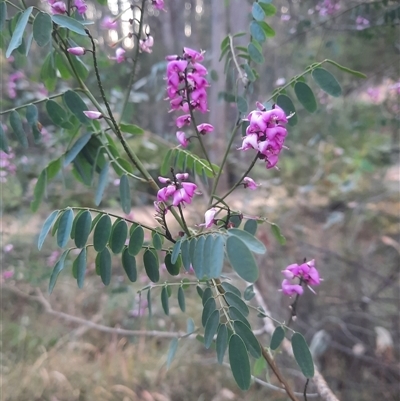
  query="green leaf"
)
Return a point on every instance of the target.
[
  {"x": 276, "y": 232},
  {"x": 251, "y": 242},
  {"x": 255, "y": 53},
  {"x": 165, "y": 300},
  {"x": 18, "y": 33},
  {"x": 259, "y": 366},
  {"x": 165, "y": 166},
  {"x": 75, "y": 103},
  {"x": 129, "y": 265},
  {"x": 198, "y": 257},
  {"x": 249, "y": 72},
  {"x": 172, "y": 351},
  {"x": 269, "y": 9},
  {"x": 172, "y": 268},
  {"x": 119, "y": 234},
  {"x": 233, "y": 300},
  {"x": 249, "y": 293},
  {"x": 251, "y": 227},
  {"x": 157, "y": 241},
  {"x": 287, "y": 105},
  {"x": 82, "y": 229},
  {"x": 306, "y": 96},
  {"x": 125, "y": 194},
  {"x": 39, "y": 191},
  {"x": 31, "y": 114},
  {"x": 346, "y": 69},
  {"x": 225, "y": 42},
  {"x": 190, "y": 327},
  {"x": 81, "y": 68},
  {"x": 101, "y": 186},
  {"x": 239, "y": 362},
  {"x": 76, "y": 148},
  {"x": 56, "y": 113},
  {"x": 209, "y": 307},
  {"x": 257, "y": 12},
  {"x": 69, "y": 23},
  {"x": 3, "y": 138},
  {"x": 103, "y": 265},
  {"x": 74, "y": 224},
  {"x": 248, "y": 338},
  {"x": 57, "y": 269},
  {"x": 269, "y": 32},
  {"x": 16, "y": 125},
  {"x": 277, "y": 337},
  {"x": 80, "y": 267},
  {"x": 211, "y": 328},
  {"x": 46, "y": 228},
  {"x": 3, "y": 14},
  {"x": 222, "y": 342},
  {"x": 151, "y": 266},
  {"x": 257, "y": 32},
  {"x": 327, "y": 82},
  {"x": 235, "y": 314},
  {"x": 136, "y": 241},
  {"x": 102, "y": 233},
  {"x": 131, "y": 129},
  {"x": 176, "y": 250},
  {"x": 64, "y": 227},
  {"x": 185, "y": 254},
  {"x": 231, "y": 288},
  {"x": 42, "y": 27},
  {"x": 242, "y": 104},
  {"x": 216, "y": 257},
  {"x": 207, "y": 294},
  {"x": 181, "y": 299},
  {"x": 302, "y": 355},
  {"x": 199, "y": 291},
  {"x": 61, "y": 66}
]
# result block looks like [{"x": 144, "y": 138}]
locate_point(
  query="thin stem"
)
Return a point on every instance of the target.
[
  {"x": 239, "y": 70},
  {"x": 305, "y": 390},
  {"x": 217, "y": 286},
  {"x": 270, "y": 317},
  {"x": 185, "y": 227}
]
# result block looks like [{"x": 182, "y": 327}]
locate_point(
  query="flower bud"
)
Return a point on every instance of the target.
[{"x": 77, "y": 51}]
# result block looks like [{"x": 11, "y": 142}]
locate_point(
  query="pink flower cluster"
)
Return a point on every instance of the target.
[
  {"x": 361, "y": 23},
  {"x": 266, "y": 133},
  {"x": 146, "y": 45},
  {"x": 59, "y": 7},
  {"x": 327, "y": 7},
  {"x": 7, "y": 167},
  {"x": 179, "y": 191},
  {"x": 12, "y": 85},
  {"x": 306, "y": 272},
  {"x": 186, "y": 89}
]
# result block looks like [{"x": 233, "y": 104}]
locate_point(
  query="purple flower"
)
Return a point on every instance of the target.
[
  {"x": 180, "y": 192},
  {"x": 291, "y": 289},
  {"x": 205, "y": 128},
  {"x": 93, "y": 115},
  {"x": 146, "y": 44},
  {"x": 183, "y": 120},
  {"x": 8, "y": 274},
  {"x": 58, "y": 7},
  {"x": 108, "y": 23},
  {"x": 180, "y": 135},
  {"x": 77, "y": 51},
  {"x": 209, "y": 218},
  {"x": 80, "y": 6},
  {"x": 250, "y": 183},
  {"x": 193, "y": 55},
  {"x": 119, "y": 55},
  {"x": 158, "y": 4}
]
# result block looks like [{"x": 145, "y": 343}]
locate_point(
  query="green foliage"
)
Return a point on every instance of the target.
[
  {"x": 69, "y": 23},
  {"x": 42, "y": 28},
  {"x": 150, "y": 261},
  {"x": 18, "y": 32},
  {"x": 3, "y": 141},
  {"x": 129, "y": 265},
  {"x": 327, "y": 82},
  {"x": 277, "y": 338},
  {"x": 239, "y": 362},
  {"x": 302, "y": 355},
  {"x": 18, "y": 129},
  {"x": 125, "y": 194}
]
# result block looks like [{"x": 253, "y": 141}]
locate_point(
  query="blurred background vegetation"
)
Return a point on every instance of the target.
[{"x": 335, "y": 197}]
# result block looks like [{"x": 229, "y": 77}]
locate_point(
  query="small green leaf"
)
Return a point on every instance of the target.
[
  {"x": 136, "y": 241},
  {"x": 249, "y": 293},
  {"x": 303, "y": 355},
  {"x": 80, "y": 266},
  {"x": 165, "y": 300},
  {"x": 125, "y": 194},
  {"x": 239, "y": 362},
  {"x": 276, "y": 232},
  {"x": 269, "y": 9},
  {"x": 64, "y": 227},
  {"x": 157, "y": 241},
  {"x": 287, "y": 105},
  {"x": 176, "y": 250},
  {"x": 235, "y": 314},
  {"x": 209, "y": 307},
  {"x": 233, "y": 300},
  {"x": 269, "y": 32},
  {"x": 3, "y": 137},
  {"x": 69, "y": 23},
  {"x": 225, "y": 42},
  {"x": 46, "y": 228},
  {"x": 277, "y": 338},
  {"x": 257, "y": 12},
  {"x": 306, "y": 96},
  {"x": 190, "y": 327},
  {"x": 18, "y": 33},
  {"x": 119, "y": 234},
  {"x": 346, "y": 69},
  {"x": 231, "y": 288},
  {"x": 57, "y": 269},
  {"x": 42, "y": 27},
  {"x": 56, "y": 113},
  {"x": 259, "y": 366},
  {"x": 103, "y": 265},
  {"x": 207, "y": 294},
  {"x": 255, "y": 53},
  {"x": 211, "y": 328},
  {"x": 249, "y": 72},
  {"x": 82, "y": 229},
  {"x": 181, "y": 299},
  {"x": 76, "y": 147},
  {"x": 249, "y": 338},
  {"x": 16, "y": 125},
  {"x": 102, "y": 233},
  {"x": 251, "y": 227},
  {"x": 3, "y": 14},
  {"x": 172, "y": 268},
  {"x": 129, "y": 265},
  {"x": 251, "y": 242},
  {"x": 131, "y": 129},
  {"x": 151, "y": 266},
  {"x": 257, "y": 32},
  {"x": 31, "y": 114},
  {"x": 101, "y": 186},
  {"x": 222, "y": 342},
  {"x": 75, "y": 103},
  {"x": 185, "y": 254},
  {"x": 242, "y": 104},
  {"x": 39, "y": 191},
  {"x": 198, "y": 256},
  {"x": 216, "y": 257},
  {"x": 172, "y": 351},
  {"x": 327, "y": 82}
]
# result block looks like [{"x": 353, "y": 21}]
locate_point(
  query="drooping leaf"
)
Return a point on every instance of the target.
[
  {"x": 74, "y": 223},
  {"x": 103, "y": 265},
  {"x": 222, "y": 342},
  {"x": 172, "y": 351},
  {"x": 235, "y": 314},
  {"x": 306, "y": 96},
  {"x": 42, "y": 27},
  {"x": 216, "y": 257},
  {"x": 75, "y": 103},
  {"x": 125, "y": 194},
  {"x": 119, "y": 234},
  {"x": 181, "y": 299},
  {"x": 207, "y": 293},
  {"x": 233, "y": 300},
  {"x": 18, "y": 129},
  {"x": 3, "y": 137},
  {"x": 39, "y": 190},
  {"x": 151, "y": 266},
  {"x": 239, "y": 362},
  {"x": 136, "y": 241},
  {"x": 251, "y": 242},
  {"x": 64, "y": 227},
  {"x": 176, "y": 250},
  {"x": 102, "y": 233},
  {"x": 269, "y": 32},
  {"x": 242, "y": 104},
  {"x": 257, "y": 12},
  {"x": 198, "y": 256},
  {"x": 172, "y": 268},
  {"x": 251, "y": 227},
  {"x": 277, "y": 234},
  {"x": 76, "y": 148},
  {"x": 18, "y": 33},
  {"x": 248, "y": 338},
  {"x": 80, "y": 263},
  {"x": 257, "y": 32},
  {"x": 129, "y": 265},
  {"x": 185, "y": 254},
  {"x": 255, "y": 54},
  {"x": 211, "y": 328},
  {"x": 165, "y": 300},
  {"x": 101, "y": 186},
  {"x": 31, "y": 114},
  {"x": 287, "y": 105},
  {"x": 269, "y": 9},
  {"x": 57, "y": 269},
  {"x": 56, "y": 113},
  {"x": 69, "y": 23},
  {"x": 277, "y": 337},
  {"x": 157, "y": 241},
  {"x": 209, "y": 307},
  {"x": 46, "y": 228},
  {"x": 131, "y": 129},
  {"x": 327, "y": 82},
  {"x": 231, "y": 288},
  {"x": 249, "y": 72},
  {"x": 82, "y": 229},
  {"x": 249, "y": 293},
  {"x": 303, "y": 355}
]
